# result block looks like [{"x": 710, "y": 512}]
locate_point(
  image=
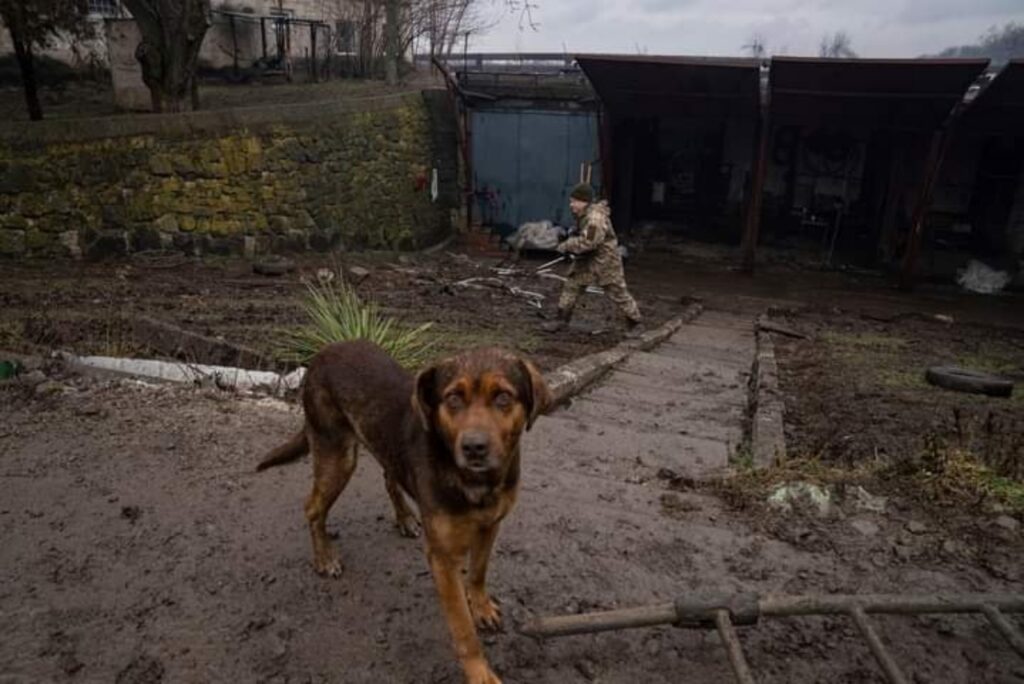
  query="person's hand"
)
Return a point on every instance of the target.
[{"x": 561, "y": 248}]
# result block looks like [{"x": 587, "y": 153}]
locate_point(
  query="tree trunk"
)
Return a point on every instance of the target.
[
  {"x": 172, "y": 34},
  {"x": 26, "y": 63},
  {"x": 392, "y": 42}
]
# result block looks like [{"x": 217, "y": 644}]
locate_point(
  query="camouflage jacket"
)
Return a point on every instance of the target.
[{"x": 595, "y": 245}]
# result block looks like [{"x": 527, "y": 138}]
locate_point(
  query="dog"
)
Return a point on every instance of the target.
[{"x": 447, "y": 438}]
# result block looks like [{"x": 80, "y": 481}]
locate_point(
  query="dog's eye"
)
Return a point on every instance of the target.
[
  {"x": 454, "y": 402},
  {"x": 503, "y": 400}
]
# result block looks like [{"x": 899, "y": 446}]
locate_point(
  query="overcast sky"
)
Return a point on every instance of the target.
[{"x": 878, "y": 28}]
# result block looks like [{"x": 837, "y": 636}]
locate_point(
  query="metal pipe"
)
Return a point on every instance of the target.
[
  {"x": 791, "y": 606},
  {"x": 778, "y": 607},
  {"x": 733, "y": 647},
  {"x": 889, "y": 666},
  {"x": 627, "y": 618},
  {"x": 1005, "y": 628}
]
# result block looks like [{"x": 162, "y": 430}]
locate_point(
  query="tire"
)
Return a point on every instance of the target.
[{"x": 965, "y": 380}]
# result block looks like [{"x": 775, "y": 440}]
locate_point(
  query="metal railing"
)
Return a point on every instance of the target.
[{"x": 724, "y": 612}]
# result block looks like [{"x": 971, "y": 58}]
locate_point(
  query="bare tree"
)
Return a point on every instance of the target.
[
  {"x": 838, "y": 46},
  {"x": 393, "y": 55},
  {"x": 172, "y": 33},
  {"x": 442, "y": 24},
  {"x": 36, "y": 24},
  {"x": 756, "y": 46}
]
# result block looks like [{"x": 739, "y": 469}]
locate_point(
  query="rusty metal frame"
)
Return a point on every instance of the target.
[{"x": 725, "y": 612}]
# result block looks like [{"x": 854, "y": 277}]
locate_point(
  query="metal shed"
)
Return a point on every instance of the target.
[
  {"x": 879, "y": 124},
  {"x": 678, "y": 138}
]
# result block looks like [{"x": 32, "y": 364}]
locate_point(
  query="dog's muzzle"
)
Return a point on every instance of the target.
[{"x": 475, "y": 453}]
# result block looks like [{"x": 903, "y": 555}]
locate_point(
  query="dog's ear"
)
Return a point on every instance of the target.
[
  {"x": 424, "y": 396},
  {"x": 534, "y": 392}
]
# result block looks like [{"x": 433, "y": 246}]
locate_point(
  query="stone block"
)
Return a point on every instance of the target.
[
  {"x": 12, "y": 242},
  {"x": 161, "y": 165},
  {"x": 146, "y": 238},
  {"x": 70, "y": 240},
  {"x": 38, "y": 241},
  {"x": 167, "y": 223},
  {"x": 108, "y": 243}
]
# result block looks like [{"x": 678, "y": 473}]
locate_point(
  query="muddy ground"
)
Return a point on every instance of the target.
[
  {"x": 855, "y": 390},
  {"x": 139, "y": 546},
  {"x": 89, "y": 308}
]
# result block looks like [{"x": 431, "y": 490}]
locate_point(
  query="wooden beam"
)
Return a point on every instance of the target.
[
  {"x": 604, "y": 143},
  {"x": 941, "y": 141},
  {"x": 312, "y": 53},
  {"x": 752, "y": 222},
  {"x": 263, "y": 36},
  {"x": 234, "y": 45}
]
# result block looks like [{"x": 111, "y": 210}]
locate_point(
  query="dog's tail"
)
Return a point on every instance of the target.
[{"x": 293, "y": 449}]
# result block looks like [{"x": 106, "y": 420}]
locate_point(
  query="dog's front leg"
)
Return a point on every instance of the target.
[
  {"x": 484, "y": 610},
  {"x": 446, "y": 551}
]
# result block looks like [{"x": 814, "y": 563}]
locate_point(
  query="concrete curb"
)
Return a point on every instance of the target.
[
  {"x": 572, "y": 378},
  {"x": 767, "y": 437}
]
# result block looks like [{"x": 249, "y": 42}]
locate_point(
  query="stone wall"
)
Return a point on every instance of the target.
[{"x": 354, "y": 175}]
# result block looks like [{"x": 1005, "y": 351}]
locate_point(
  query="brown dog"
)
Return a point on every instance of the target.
[{"x": 448, "y": 438}]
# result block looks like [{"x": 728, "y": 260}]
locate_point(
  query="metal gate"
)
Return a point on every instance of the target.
[{"x": 525, "y": 162}]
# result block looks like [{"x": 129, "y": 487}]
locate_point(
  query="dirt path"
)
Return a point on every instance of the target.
[
  {"x": 139, "y": 546},
  {"x": 678, "y": 409}
]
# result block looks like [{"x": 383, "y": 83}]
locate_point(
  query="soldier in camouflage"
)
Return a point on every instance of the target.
[{"x": 597, "y": 261}]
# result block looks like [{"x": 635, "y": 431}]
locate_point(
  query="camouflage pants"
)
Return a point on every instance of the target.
[{"x": 615, "y": 290}]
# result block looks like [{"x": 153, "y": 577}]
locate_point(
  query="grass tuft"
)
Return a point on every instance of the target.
[{"x": 336, "y": 313}]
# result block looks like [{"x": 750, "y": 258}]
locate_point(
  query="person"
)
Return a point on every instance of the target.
[{"x": 597, "y": 260}]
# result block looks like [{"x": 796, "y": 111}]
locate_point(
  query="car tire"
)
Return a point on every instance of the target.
[{"x": 971, "y": 381}]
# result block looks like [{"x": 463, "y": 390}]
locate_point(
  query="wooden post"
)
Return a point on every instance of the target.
[
  {"x": 234, "y": 44},
  {"x": 936, "y": 154},
  {"x": 752, "y": 219},
  {"x": 288, "y": 48},
  {"x": 605, "y": 151},
  {"x": 467, "y": 135},
  {"x": 312, "y": 52},
  {"x": 328, "y": 65}
]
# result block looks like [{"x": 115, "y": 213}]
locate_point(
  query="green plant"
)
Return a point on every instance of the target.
[{"x": 336, "y": 313}]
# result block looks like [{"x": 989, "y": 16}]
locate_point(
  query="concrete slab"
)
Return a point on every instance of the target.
[
  {"x": 648, "y": 417},
  {"x": 718, "y": 338},
  {"x": 690, "y": 397},
  {"x": 672, "y": 369},
  {"x": 681, "y": 406},
  {"x": 624, "y": 454}
]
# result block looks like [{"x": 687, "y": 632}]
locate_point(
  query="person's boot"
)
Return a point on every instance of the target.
[{"x": 560, "y": 323}]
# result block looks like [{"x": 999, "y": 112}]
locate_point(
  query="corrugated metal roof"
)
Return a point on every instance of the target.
[
  {"x": 685, "y": 86},
  {"x": 903, "y": 94},
  {"x": 999, "y": 108}
]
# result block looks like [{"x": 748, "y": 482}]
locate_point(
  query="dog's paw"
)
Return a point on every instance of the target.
[
  {"x": 479, "y": 672},
  {"x": 408, "y": 527},
  {"x": 486, "y": 613},
  {"x": 328, "y": 566}
]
